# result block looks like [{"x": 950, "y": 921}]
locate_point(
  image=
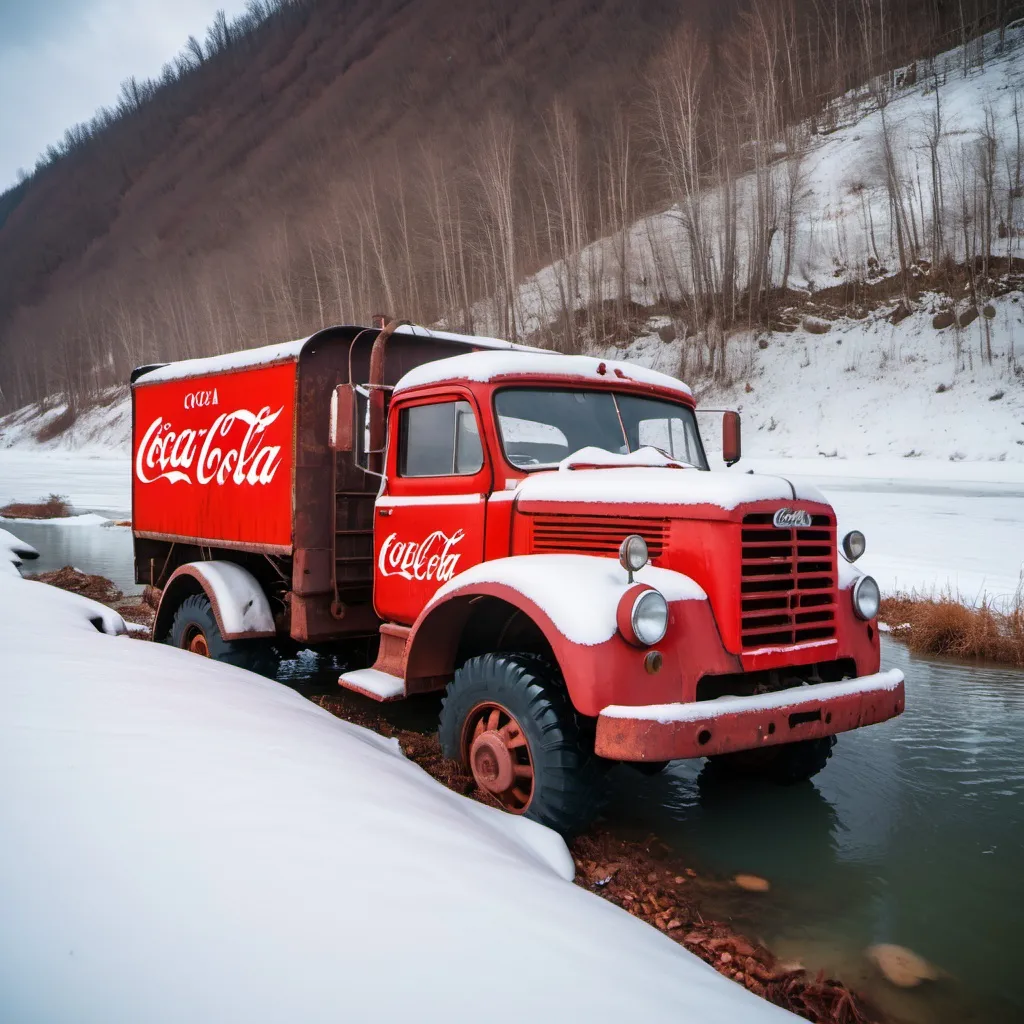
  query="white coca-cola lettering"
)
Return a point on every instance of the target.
[
  {"x": 219, "y": 454},
  {"x": 430, "y": 559},
  {"x": 201, "y": 399}
]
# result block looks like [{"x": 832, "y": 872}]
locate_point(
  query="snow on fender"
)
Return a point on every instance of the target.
[
  {"x": 579, "y": 593},
  {"x": 239, "y": 604}
]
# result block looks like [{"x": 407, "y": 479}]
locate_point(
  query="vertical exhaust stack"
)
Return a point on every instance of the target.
[{"x": 377, "y": 404}]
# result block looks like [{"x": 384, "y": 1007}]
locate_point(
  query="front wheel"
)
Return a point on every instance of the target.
[
  {"x": 785, "y": 764},
  {"x": 194, "y": 628},
  {"x": 508, "y": 719}
]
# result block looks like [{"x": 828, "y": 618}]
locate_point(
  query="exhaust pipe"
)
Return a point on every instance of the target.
[{"x": 378, "y": 420}]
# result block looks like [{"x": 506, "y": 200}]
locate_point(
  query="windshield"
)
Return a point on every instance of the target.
[{"x": 541, "y": 426}]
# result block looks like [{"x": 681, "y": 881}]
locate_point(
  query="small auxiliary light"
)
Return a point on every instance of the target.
[
  {"x": 854, "y": 545},
  {"x": 633, "y": 554}
]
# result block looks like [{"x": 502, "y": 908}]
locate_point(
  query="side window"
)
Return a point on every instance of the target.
[
  {"x": 441, "y": 439},
  {"x": 672, "y": 435}
]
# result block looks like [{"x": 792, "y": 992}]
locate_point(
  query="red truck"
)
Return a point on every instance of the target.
[{"x": 537, "y": 535}]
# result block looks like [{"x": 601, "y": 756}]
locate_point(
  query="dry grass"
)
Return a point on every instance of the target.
[
  {"x": 945, "y": 625},
  {"x": 55, "y": 507},
  {"x": 55, "y": 427}
]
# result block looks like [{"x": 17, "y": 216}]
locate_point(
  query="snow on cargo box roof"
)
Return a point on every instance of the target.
[
  {"x": 268, "y": 355},
  {"x": 485, "y": 367}
]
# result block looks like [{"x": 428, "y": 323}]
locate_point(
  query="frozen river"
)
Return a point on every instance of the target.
[{"x": 932, "y": 527}]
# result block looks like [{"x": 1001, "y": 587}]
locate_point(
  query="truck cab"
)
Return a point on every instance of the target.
[{"x": 553, "y": 551}]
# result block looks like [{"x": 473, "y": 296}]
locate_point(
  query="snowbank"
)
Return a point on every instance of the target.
[
  {"x": 12, "y": 551},
  {"x": 186, "y": 841}
]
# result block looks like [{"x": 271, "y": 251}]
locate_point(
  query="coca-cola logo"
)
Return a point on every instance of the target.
[
  {"x": 232, "y": 449},
  {"x": 430, "y": 559},
  {"x": 791, "y": 519}
]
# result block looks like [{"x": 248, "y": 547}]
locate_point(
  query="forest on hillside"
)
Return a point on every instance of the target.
[{"x": 316, "y": 162}]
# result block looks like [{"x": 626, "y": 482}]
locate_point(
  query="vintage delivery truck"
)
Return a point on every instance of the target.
[{"x": 537, "y": 535}]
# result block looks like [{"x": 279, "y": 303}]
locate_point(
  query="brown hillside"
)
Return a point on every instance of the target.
[{"x": 332, "y": 158}]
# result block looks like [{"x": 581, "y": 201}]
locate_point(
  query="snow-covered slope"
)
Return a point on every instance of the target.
[
  {"x": 184, "y": 841},
  {"x": 870, "y": 388}
]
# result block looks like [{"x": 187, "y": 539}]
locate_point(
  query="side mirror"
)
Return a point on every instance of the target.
[
  {"x": 343, "y": 415},
  {"x": 731, "y": 437}
]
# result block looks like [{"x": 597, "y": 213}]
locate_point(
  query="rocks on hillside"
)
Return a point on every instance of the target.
[
  {"x": 815, "y": 325},
  {"x": 968, "y": 316},
  {"x": 943, "y": 319}
]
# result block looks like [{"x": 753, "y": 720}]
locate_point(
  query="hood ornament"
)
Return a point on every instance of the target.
[{"x": 791, "y": 519}]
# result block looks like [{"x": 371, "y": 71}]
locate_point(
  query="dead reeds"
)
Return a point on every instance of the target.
[{"x": 947, "y": 625}]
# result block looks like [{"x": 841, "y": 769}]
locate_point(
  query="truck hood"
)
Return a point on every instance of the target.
[{"x": 661, "y": 486}]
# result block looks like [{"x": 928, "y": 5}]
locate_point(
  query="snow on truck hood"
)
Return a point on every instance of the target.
[{"x": 660, "y": 486}]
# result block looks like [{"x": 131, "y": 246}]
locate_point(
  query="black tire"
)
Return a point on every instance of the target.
[
  {"x": 567, "y": 787},
  {"x": 786, "y": 764},
  {"x": 194, "y": 617}
]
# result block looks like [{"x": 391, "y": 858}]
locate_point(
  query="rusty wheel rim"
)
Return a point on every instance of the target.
[
  {"x": 498, "y": 754},
  {"x": 196, "y": 642}
]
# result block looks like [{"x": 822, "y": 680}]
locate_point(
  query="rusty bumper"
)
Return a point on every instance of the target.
[{"x": 664, "y": 732}]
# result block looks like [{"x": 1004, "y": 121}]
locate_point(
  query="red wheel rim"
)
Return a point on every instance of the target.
[
  {"x": 195, "y": 641},
  {"x": 498, "y": 754}
]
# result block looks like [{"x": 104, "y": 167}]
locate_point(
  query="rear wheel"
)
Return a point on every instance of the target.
[
  {"x": 508, "y": 719},
  {"x": 785, "y": 764},
  {"x": 194, "y": 628}
]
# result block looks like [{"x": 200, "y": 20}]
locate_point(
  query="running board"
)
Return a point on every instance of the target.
[
  {"x": 386, "y": 680},
  {"x": 372, "y": 683}
]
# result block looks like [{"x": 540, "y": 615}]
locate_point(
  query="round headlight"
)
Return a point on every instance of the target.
[
  {"x": 633, "y": 553},
  {"x": 649, "y": 617},
  {"x": 866, "y": 597},
  {"x": 854, "y": 545}
]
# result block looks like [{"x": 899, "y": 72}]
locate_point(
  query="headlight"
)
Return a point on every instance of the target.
[
  {"x": 866, "y": 597},
  {"x": 649, "y": 617},
  {"x": 633, "y": 554},
  {"x": 854, "y": 545}
]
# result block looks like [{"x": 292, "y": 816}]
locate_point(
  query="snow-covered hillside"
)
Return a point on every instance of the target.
[
  {"x": 843, "y": 191},
  {"x": 870, "y": 388}
]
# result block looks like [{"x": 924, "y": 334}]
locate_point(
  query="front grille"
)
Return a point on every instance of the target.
[
  {"x": 595, "y": 535},
  {"x": 788, "y": 586}
]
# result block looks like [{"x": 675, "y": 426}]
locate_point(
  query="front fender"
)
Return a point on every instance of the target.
[{"x": 573, "y": 601}]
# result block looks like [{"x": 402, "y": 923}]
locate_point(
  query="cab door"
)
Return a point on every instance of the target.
[{"x": 430, "y": 516}]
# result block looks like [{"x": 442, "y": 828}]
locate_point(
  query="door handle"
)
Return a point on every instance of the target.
[{"x": 384, "y": 511}]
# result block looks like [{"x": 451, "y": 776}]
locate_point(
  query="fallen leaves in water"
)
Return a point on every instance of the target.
[
  {"x": 752, "y": 883},
  {"x": 901, "y": 966}
]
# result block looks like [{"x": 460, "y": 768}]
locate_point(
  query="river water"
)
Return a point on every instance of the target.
[{"x": 913, "y": 834}]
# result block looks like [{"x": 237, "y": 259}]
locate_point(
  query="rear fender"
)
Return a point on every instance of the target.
[{"x": 239, "y": 604}]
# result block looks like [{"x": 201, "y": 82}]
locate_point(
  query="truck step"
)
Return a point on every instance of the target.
[{"x": 373, "y": 683}]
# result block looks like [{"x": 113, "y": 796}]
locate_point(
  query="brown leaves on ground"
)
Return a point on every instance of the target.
[
  {"x": 648, "y": 883},
  {"x": 54, "y": 507},
  {"x": 945, "y": 626},
  {"x": 99, "y": 588}
]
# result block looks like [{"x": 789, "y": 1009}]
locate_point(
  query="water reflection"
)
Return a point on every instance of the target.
[
  {"x": 100, "y": 550},
  {"x": 912, "y": 835}
]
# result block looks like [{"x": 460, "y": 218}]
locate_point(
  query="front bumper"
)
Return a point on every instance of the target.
[{"x": 664, "y": 732}]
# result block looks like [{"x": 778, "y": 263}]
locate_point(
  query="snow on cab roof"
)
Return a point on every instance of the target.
[
  {"x": 491, "y": 366},
  {"x": 282, "y": 352}
]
